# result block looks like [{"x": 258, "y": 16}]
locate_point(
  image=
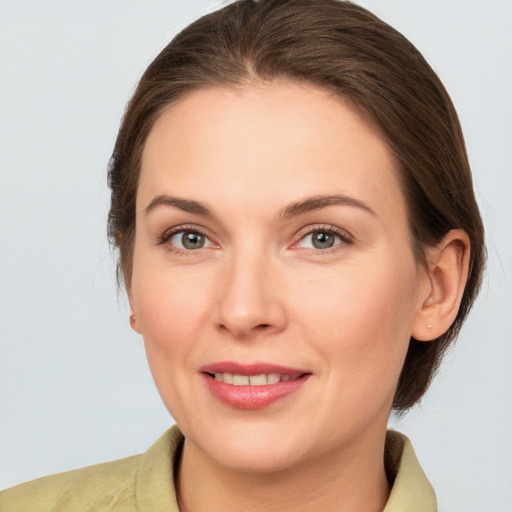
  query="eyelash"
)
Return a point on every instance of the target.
[
  {"x": 193, "y": 229},
  {"x": 345, "y": 238}
]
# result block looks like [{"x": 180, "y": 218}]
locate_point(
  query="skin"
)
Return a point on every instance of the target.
[{"x": 259, "y": 291}]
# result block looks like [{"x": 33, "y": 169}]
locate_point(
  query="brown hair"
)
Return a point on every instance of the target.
[{"x": 346, "y": 49}]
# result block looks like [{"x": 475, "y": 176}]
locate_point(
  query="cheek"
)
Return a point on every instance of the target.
[
  {"x": 172, "y": 305},
  {"x": 361, "y": 314},
  {"x": 173, "y": 309},
  {"x": 360, "y": 327}
]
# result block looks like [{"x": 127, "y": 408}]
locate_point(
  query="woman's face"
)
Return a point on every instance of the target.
[{"x": 272, "y": 249}]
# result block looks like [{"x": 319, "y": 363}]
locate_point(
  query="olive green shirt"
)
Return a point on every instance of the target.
[{"x": 145, "y": 483}]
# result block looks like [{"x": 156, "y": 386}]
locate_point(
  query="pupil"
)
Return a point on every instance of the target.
[
  {"x": 192, "y": 240},
  {"x": 322, "y": 240}
]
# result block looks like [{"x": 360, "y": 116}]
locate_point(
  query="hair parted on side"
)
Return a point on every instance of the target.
[{"x": 347, "y": 50}]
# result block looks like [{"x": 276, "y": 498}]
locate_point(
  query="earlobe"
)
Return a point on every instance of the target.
[
  {"x": 134, "y": 319},
  {"x": 134, "y": 322},
  {"x": 447, "y": 273}
]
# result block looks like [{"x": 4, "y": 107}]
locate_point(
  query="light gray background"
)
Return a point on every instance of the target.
[{"x": 76, "y": 389}]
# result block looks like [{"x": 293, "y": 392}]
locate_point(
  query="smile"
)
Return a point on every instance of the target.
[
  {"x": 253, "y": 380},
  {"x": 252, "y": 386}
]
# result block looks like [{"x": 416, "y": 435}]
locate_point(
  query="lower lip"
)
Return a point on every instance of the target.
[{"x": 252, "y": 397}]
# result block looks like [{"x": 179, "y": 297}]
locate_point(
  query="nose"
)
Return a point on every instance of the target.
[{"x": 250, "y": 299}]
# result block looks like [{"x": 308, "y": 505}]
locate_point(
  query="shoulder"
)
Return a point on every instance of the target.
[
  {"x": 80, "y": 489},
  {"x": 126, "y": 485}
]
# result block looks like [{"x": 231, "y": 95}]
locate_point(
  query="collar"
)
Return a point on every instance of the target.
[{"x": 411, "y": 489}]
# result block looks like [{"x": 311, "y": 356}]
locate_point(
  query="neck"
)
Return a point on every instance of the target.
[{"x": 346, "y": 480}]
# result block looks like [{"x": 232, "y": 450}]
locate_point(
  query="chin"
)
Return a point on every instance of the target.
[
  {"x": 256, "y": 459},
  {"x": 250, "y": 448}
]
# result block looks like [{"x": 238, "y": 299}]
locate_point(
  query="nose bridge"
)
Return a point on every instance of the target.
[{"x": 248, "y": 298}]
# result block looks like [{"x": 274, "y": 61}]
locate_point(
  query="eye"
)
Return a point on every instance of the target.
[
  {"x": 323, "y": 239},
  {"x": 320, "y": 240},
  {"x": 189, "y": 240}
]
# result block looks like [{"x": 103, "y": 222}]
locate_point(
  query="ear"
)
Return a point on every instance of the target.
[
  {"x": 445, "y": 280},
  {"x": 134, "y": 318}
]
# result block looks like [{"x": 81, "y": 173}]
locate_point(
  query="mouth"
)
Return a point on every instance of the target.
[
  {"x": 252, "y": 386},
  {"x": 262, "y": 379}
]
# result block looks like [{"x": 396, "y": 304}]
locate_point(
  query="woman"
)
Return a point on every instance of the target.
[{"x": 300, "y": 244}]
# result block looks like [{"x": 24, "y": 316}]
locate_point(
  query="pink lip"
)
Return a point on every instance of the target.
[
  {"x": 250, "y": 369},
  {"x": 251, "y": 397}
]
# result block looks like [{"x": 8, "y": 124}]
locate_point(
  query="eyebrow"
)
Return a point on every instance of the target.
[
  {"x": 309, "y": 204},
  {"x": 305, "y": 205},
  {"x": 183, "y": 204}
]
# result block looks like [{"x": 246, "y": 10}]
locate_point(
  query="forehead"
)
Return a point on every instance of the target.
[{"x": 266, "y": 142}]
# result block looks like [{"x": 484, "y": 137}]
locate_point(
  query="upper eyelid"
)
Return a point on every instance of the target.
[
  {"x": 191, "y": 228},
  {"x": 307, "y": 230}
]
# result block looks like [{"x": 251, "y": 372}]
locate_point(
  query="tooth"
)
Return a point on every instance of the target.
[
  {"x": 218, "y": 376},
  {"x": 240, "y": 380},
  {"x": 258, "y": 380},
  {"x": 227, "y": 378},
  {"x": 285, "y": 378},
  {"x": 273, "y": 378}
]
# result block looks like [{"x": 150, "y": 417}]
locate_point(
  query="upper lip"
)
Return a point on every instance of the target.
[{"x": 257, "y": 368}]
